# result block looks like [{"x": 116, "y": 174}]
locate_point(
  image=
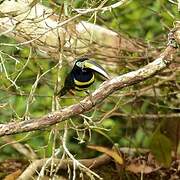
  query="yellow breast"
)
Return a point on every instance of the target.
[{"x": 86, "y": 83}]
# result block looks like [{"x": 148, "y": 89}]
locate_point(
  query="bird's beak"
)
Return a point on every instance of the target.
[{"x": 96, "y": 67}]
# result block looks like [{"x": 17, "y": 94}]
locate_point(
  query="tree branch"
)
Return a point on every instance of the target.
[
  {"x": 64, "y": 164},
  {"x": 39, "y": 27},
  {"x": 107, "y": 88}
]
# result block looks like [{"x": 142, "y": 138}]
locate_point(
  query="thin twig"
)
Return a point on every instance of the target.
[{"x": 76, "y": 163}]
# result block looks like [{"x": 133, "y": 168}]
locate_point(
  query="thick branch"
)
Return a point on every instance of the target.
[
  {"x": 98, "y": 96},
  {"x": 39, "y": 27}
]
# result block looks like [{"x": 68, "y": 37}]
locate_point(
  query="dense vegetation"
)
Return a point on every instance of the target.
[{"x": 145, "y": 115}]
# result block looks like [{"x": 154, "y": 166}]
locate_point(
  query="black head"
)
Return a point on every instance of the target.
[
  {"x": 80, "y": 63},
  {"x": 85, "y": 63}
]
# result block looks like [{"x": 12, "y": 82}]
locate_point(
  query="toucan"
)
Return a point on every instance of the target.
[{"x": 82, "y": 75}]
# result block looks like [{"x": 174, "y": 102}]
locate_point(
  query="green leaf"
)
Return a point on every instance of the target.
[
  {"x": 145, "y": 106},
  {"x": 161, "y": 148},
  {"x": 108, "y": 123},
  {"x": 139, "y": 136}
]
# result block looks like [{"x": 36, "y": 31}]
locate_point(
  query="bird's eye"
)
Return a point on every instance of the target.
[{"x": 79, "y": 64}]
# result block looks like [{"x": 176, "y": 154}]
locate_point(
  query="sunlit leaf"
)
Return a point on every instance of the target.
[{"x": 112, "y": 153}]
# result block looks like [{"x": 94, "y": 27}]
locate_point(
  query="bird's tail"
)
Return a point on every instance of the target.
[{"x": 62, "y": 92}]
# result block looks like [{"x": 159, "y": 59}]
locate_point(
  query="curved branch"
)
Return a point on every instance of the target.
[
  {"x": 107, "y": 88},
  {"x": 38, "y": 26},
  {"x": 64, "y": 164}
]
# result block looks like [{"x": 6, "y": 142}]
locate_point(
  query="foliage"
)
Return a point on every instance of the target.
[{"x": 123, "y": 118}]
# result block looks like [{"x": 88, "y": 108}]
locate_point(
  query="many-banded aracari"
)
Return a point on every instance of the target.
[{"x": 82, "y": 75}]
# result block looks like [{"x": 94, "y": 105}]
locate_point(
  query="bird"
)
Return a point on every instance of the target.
[{"x": 82, "y": 75}]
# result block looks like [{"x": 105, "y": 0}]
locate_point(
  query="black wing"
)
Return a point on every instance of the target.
[{"x": 68, "y": 84}]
